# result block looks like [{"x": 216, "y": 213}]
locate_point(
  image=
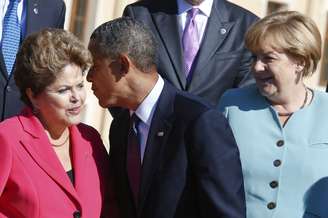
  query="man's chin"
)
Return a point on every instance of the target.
[{"x": 105, "y": 104}]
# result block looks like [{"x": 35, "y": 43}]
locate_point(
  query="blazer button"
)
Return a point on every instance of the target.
[
  {"x": 280, "y": 143},
  {"x": 277, "y": 163},
  {"x": 77, "y": 214},
  {"x": 8, "y": 88},
  {"x": 274, "y": 184},
  {"x": 271, "y": 205}
]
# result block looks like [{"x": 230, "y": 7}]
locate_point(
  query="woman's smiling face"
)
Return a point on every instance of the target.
[{"x": 275, "y": 71}]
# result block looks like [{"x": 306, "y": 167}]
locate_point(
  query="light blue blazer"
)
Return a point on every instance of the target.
[{"x": 285, "y": 169}]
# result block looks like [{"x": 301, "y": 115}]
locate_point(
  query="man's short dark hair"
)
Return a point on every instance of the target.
[{"x": 125, "y": 36}]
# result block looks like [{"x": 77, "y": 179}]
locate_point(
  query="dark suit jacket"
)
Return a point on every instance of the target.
[
  {"x": 222, "y": 61},
  {"x": 50, "y": 13},
  {"x": 191, "y": 165}
]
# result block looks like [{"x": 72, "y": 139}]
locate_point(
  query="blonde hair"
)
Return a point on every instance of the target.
[{"x": 289, "y": 32}]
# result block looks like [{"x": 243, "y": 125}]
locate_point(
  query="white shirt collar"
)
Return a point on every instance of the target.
[
  {"x": 146, "y": 109},
  {"x": 205, "y": 7}
]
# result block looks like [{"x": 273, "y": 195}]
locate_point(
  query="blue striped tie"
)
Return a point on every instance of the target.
[{"x": 10, "y": 35}]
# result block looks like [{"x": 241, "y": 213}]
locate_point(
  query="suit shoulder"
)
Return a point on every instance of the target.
[
  {"x": 238, "y": 96},
  {"x": 321, "y": 98},
  {"x": 88, "y": 130},
  {"x": 143, "y": 3},
  {"x": 139, "y": 6},
  {"x": 10, "y": 124},
  {"x": 148, "y": 6},
  {"x": 93, "y": 137},
  {"x": 11, "y": 132},
  {"x": 193, "y": 104},
  {"x": 195, "y": 111}
]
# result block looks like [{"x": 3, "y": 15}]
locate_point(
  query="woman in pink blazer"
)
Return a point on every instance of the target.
[{"x": 51, "y": 166}]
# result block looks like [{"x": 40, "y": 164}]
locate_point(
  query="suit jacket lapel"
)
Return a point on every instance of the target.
[
  {"x": 216, "y": 31},
  {"x": 31, "y": 16},
  {"x": 166, "y": 22},
  {"x": 3, "y": 68},
  {"x": 118, "y": 141},
  {"x": 37, "y": 144},
  {"x": 158, "y": 134}
]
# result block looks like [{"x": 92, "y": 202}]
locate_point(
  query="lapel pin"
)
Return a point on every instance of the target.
[
  {"x": 36, "y": 11},
  {"x": 223, "y": 31},
  {"x": 160, "y": 134},
  {"x": 35, "y": 8}
]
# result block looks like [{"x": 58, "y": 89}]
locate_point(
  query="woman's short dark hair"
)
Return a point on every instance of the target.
[{"x": 42, "y": 57}]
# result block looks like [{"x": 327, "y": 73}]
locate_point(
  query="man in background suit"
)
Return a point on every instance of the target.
[
  {"x": 221, "y": 61},
  {"x": 171, "y": 156},
  {"x": 32, "y": 15}
]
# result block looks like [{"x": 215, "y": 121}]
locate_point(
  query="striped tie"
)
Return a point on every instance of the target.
[{"x": 10, "y": 35}]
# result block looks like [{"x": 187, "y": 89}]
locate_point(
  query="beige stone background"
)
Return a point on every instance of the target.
[{"x": 83, "y": 16}]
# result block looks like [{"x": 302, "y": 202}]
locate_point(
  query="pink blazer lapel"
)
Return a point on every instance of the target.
[
  {"x": 37, "y": 144},
  {"x": 80, "y": 153}
]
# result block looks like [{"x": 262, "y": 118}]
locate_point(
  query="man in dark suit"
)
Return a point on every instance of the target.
[
  {"x": 33, "y": 15},
  {"x": 171, "y": 155},
  {"x": 222, "y": 61}
]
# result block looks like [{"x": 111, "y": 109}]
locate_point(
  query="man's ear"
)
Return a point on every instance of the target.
[
  {"x": 125, "y": 64},
  {"x": 121, "y": 66}
]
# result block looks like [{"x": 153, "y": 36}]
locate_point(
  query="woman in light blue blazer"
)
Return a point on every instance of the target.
[{"x": 281, "y": 125}]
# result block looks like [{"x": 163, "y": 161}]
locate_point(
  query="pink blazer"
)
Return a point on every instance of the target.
[{"x": 33, "y": 183}]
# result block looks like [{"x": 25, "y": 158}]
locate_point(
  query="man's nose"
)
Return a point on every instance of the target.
[{"x": 89, "y": 76}]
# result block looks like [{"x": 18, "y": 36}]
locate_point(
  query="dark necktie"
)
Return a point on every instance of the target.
[
  {"x": 10, "y": 35},
  {"x": 190, "y": 40},
  {"x": 133, "y": 157}
]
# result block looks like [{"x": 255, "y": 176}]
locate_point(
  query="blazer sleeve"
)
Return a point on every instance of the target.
[
  {"x": 5, "y": 166},
  {"x": 217, "y": 167}
]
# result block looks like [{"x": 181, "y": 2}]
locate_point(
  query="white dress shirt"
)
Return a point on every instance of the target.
[
  {"x": 3, "y": 9},
  {"x": 145, "y": 112},
  {"x": 201, "y": 18}
]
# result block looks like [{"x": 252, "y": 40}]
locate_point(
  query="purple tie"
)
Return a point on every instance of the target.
[
  {"x": 133, "y": 157},
  {"x": 190, "y": 40}
]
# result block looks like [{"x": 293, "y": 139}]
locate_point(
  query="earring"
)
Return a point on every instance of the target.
[{"x": 299, "y": 69}]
